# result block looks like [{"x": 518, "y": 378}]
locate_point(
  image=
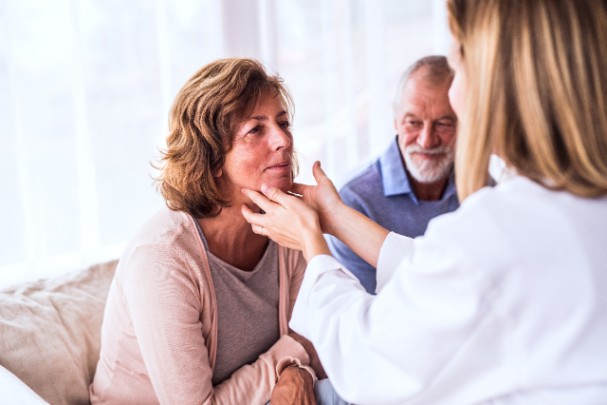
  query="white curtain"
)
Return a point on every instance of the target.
[{"x": 86, "y": 85}]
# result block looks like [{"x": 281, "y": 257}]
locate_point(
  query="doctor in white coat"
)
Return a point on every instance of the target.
[{"x": 504, "y": 300}]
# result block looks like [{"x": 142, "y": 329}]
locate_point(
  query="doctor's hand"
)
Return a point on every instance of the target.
[
  {"x": 323, "y": 197},
  {"x": 287, "y": 220}
]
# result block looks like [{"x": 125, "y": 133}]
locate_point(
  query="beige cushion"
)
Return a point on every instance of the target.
[{"x": 49, "y": 332}]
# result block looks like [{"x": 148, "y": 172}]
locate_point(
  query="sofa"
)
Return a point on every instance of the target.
[{"x": 49, "y": 336}]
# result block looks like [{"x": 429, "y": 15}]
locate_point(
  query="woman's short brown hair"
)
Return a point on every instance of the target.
[{"x": 204, "y": 117}]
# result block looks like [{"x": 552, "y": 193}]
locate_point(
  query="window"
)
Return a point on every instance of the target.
[{"x": 86, "y": 85}]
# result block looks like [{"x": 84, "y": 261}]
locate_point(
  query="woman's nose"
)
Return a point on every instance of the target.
[{"x": 280, "y": 138}]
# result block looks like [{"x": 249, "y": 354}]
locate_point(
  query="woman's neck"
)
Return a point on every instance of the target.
[{"x": 230, "y": 238}]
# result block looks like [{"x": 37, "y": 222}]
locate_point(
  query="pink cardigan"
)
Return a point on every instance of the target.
[{"x": 159, "y": 334}]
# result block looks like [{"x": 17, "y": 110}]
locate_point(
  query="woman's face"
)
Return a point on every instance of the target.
[
  {"x": 459, "y": 86},
  {"x": 262, "y": 150}
]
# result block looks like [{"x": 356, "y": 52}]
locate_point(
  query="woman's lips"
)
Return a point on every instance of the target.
[{"x": 283, "y": 166}]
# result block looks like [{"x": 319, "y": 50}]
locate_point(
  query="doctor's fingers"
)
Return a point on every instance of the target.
[
  {"x": 253, "y": 218},
  {"x": 259, "y": 199},
  {"x": 277, "y": 195}
]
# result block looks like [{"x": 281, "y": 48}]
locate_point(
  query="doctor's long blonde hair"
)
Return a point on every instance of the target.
[{"x": 539, "y": 94}]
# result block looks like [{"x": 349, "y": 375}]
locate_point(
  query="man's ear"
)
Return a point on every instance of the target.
[{"x": 395, "y": 122}]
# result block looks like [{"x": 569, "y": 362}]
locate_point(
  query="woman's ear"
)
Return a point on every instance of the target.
[{"x": 218, "y": 173}]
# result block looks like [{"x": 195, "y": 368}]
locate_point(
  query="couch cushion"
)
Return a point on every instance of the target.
[{"x": 49, "y": 332}]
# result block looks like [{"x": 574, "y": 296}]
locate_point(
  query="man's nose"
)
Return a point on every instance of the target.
[{"x": 427, "y": 138}]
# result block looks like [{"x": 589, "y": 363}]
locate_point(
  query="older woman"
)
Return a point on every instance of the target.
[
  {"x": 198, "y": 309},
  {"x": 503, "y": 301}
]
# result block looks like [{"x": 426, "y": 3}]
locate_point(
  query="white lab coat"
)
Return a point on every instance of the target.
[{"x": 502, "y": 301}]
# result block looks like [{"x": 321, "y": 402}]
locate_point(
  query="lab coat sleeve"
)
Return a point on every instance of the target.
[
  {"x": 388, "y": 348},
  {"x": 392, "y": 251}
]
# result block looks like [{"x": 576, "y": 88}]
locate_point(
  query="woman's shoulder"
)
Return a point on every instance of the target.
[
  {"x": 521, "y": 200},
  {"x": 166, "y": 228},
  {"x": 167, "y": 241},
  {"x": 510, "y": 217},
  {"x": 506, "y": 201},
  {"x": 483, "y": 226}
]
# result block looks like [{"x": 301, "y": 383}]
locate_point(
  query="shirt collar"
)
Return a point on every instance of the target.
[
  {"x": 450, "y": 190},
  {"x": 394, "y": 176}
]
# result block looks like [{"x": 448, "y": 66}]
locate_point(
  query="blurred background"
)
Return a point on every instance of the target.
[{"x": 86, "y": 86}]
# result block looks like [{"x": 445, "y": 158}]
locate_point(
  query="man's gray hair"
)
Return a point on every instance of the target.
[{"x": 437, "y": 73}]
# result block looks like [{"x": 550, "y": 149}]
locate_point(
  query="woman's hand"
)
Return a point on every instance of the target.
[
  {"x": 323, "y": 197},
  {"x": 287, "y": 220},
  {"x": 294, "y": 387},
  {"x": 314, "y": 359}
]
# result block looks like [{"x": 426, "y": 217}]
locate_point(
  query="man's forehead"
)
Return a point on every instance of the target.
[
  {"x": 426, "y": 113},
  {"x": 418, "y": 86},
  {"x": 426, "y": 103},
  {"x": 419, "y": 97}
]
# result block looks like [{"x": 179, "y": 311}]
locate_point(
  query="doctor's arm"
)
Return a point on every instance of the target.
[{"x": 300, "y": 223}]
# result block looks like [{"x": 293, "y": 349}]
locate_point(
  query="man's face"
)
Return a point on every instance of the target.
[{"x": 426, "y": 127}]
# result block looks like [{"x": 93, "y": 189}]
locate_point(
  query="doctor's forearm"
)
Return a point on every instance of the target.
[{"x": 364, "y": 236}]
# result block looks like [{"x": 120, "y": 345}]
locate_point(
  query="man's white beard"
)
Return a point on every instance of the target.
[{"x": 429, "y": 171}]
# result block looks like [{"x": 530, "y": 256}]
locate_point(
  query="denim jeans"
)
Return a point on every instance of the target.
[{"x": 325, "y": 393}]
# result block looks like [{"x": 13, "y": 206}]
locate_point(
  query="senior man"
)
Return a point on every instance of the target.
[{"x": 412, "y": 181}]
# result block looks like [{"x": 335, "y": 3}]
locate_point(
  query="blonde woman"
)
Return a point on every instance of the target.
[
  {"x": 504, "y": 300},
  {"x": 197, "y": 312}
]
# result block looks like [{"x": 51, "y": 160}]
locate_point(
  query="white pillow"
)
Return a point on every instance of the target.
[{"x": 14, "y": 391}]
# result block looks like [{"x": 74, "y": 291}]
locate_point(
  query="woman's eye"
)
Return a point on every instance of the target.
[
  {"x": 285, "y": 125},
  {"x": 255, "y": 130}
]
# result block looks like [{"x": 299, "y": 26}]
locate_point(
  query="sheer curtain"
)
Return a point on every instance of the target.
[{"x": 86, "y": 85}]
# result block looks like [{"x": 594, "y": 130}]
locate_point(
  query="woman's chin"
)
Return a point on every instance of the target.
[{"x": 282, "y": 184}]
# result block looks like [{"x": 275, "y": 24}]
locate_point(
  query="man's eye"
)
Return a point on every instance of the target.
[
  {"x": 415, "y": 124},
  {"x": 449, "y": 124},
  {"x": 445, "y": 127}
]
